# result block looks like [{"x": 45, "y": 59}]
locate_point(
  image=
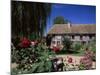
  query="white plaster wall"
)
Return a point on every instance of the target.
[
  {"x": 85, "y": 38},
  {"x": 56, "y": 38},
  {"x": 77, "y": 38}
]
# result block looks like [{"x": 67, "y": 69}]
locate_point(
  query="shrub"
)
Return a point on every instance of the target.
[
  {"x": 56, "y": 49},
  {"x": 67, "y": 44},
  {"x": 77, "y": 46},
  {"x": 92, "y": 46},
  {"x": 25, "y": 42},
  {"x": 86, "y": 61},
  {"x": 33, "y": 59},
  {"x": 81, "y": 67}
]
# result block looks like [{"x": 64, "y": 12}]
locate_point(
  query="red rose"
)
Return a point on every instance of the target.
[
  {"x": 56, "y": 49},
  {"x": 70, "y": 60},
  {"x": 25, "y": 42}
]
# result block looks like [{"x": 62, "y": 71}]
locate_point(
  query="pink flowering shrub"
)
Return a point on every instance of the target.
[{"x": 86, "y": 61}]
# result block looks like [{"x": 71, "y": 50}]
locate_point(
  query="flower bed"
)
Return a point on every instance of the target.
[
  {"x": 35, "y": 57},
  {"x": 31, "y": 57}
]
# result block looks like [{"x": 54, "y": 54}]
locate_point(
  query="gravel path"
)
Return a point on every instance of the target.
[{"x": 76, "y": 59}]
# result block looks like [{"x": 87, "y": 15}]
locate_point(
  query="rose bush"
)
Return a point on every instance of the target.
[
  {"x": 25, "y": 42},
  {"x": 31, "y": 58},
  {"x": 56, "y": 49}
]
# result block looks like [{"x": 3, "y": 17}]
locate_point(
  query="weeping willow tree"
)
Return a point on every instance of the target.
[{"x": 28, "y": 18}]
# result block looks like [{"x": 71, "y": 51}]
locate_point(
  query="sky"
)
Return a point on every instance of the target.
[{"x": 77, "y": 14}]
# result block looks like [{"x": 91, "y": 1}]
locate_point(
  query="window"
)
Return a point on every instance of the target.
[
  {"x": 53, "y": 42},
  {"x": 81, "y": 37},
  {"x": 90, "y": 37},
  {"x": 58, "y": 42},
  {"x": 73, "y": 36}
]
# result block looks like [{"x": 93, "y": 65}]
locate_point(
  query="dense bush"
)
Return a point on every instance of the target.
[
  {"x": 32, "y": 58},
  {"x": 67, "y": 44},
  {"x": 76, "y": 47},
  {"x": 92, "y": 46},
  {"x": 93, "y": 49},
  {"x": 56, "y": 49},
  {"x": 86, "y": 61}
]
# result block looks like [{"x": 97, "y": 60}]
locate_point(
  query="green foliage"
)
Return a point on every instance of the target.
[
  {"x": 14, "y": 71},
  {"x": 34, "y": 59},
  {"x": 92, "y": 47},
  {"x": 67, "y": 43},
  {"x": 33, "y": 36},
  {"x": 60, "y": 20},
  {"x": 76, "y": 47},
  {"x": 81, "y": 67},
  {"x": 28, "y": 17}
]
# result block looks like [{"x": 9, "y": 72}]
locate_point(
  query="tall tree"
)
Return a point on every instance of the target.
[
  {"x": 29, "y": 17},
  {"x": 60, "y": 20}
]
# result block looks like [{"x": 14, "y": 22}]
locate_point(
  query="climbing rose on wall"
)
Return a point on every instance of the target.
[{"x": 56, "y": 49}]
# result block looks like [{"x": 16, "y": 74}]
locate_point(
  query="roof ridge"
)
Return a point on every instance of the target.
[
  {"x": 82, "y": 24},
  {"x": 63, "y": 28}
]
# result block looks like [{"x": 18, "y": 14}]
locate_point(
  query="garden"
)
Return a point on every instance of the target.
[
  {"x": 30, "y": 52},
  {"x": 34, "y": 56}
]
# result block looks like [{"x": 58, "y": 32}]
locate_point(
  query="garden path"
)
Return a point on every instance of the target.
[{"x": 76, "y": 59}]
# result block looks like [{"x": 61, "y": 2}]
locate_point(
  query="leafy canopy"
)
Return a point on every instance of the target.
[{"x": 60, "y": 20}]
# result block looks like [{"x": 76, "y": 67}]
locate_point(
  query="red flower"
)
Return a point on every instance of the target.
[
  {"x": 70, "y": 60},
  {"x": 25, "y": 42},
  {"x": 56, "y": 49}
]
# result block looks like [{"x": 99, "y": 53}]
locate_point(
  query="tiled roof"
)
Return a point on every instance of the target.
[{"x": 79, "y": 28}]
